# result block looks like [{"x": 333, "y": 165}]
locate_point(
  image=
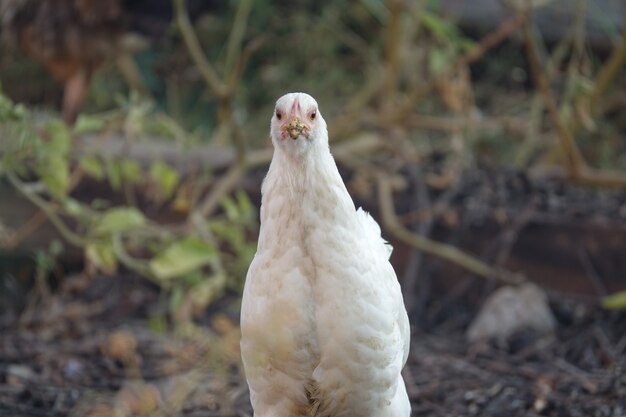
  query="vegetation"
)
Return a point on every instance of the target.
[{"x": 396, "y": 80}]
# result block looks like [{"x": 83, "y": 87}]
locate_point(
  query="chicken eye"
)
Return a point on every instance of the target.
[
  {"x": 279, "y": 115},
  {"x": 313, "y": 115}
]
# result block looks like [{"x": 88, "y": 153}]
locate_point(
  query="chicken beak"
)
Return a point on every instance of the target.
[{"x": 296, "y": 127}]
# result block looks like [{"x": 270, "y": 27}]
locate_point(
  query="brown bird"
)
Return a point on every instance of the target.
[{"x": 73, "y": 38}]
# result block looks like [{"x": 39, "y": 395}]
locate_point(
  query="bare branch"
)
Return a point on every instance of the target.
[
  {"x": 611, "y": 69},
  {"x": 205, "y": 67},
  {"x": 441, "y": 250},
  {"x": 233, "y": 50},
  {"x": 575, "y": 161},
  {"x": 47, "y": 208},
  {"x": 577, "y": 168},
  {"x": 485, "y": 45},
  {"x": 224, "y": 185}
]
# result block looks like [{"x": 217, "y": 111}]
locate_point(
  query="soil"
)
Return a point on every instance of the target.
[
  {"x": 102, "y": 346},
  {"x": 107, "y": 346}
]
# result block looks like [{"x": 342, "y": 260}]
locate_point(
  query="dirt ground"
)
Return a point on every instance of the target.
[
  {"x": 102, "y": 348},
  {"x": 108, "y": 346}
]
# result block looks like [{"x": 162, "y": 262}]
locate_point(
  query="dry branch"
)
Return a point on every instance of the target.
[
  {"x": 611, "y": 69},
  {"x": 224, "y": 93},
  {"x": 490, "y": 41},
  {"x": 577, "y": 168},
  {"x": 48, "y": 209},
  {"x": 205, "y": 67},
  {"x": 574, "y": 159},
  {"x": 441, "y": 250}
]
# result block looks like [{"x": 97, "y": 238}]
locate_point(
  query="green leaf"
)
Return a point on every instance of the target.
[
  {"x": 114, "y": 171},
  {"x": 437, "y": 25},
  {"x": 86, "y": 124},
  {"x": 440, "y": 59},
  {"x": 182, "y": 257},
  {"x": 157, "y": 323},
  {"x": 131, "y": 171},
  {"x": 56, "y": 248},
  {"x": 92, "y": 166},
  {"x": 246, "y": 210},
  {"x": 226, "y": 230},
  {"x": 120, "y": 219},
  {"x": 56, "y": 175},
  {"x": 207, "y": 290},
  {"x": 177, "y": 298},
  {"x": 44, "y": 262},
  {"x": 127, "y": 170},
  {"x": 60, "y": 138},
  {"x": 230, "y": 208},
  {"x": 165, "y": 176},
  {"x": 615, "y": 301},
  {"x": 100, "y": 204},
  {"x": 102, "y": 255},
  {"x": 10, "y": 111},
  {"x": 467, "y": 44},
  {"x": 52, "y": 158},
  {"x": 73, "y": 207}
]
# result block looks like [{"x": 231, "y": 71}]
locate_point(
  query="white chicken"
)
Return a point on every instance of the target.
[{"x": 324, "y": 329}]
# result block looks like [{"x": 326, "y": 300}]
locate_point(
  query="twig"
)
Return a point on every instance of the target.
[
  {"x": 509, "y": 237},
  {"x": 233, "y": 49},
  {"x": 39, "y": 218},
  {"x": 582, "y": 377},
  {"x": 590, "y": 271},
  {"x": 247, "y": 52},
  {"x": 25, "y": 230},
  {"x": 224, "y": 186},
  {"x": 575, "y": 161},
  {"x": 348, "y": 122},
  {"x": 595, "y": 177},
  {"x": 526, "y": 149},
  {"x": 493, "y": 39},
  {"x": 232, "y": 177},
  {"x": 195, "y": 50},
  {"x": 604, "y": 343},
  {"x": 485, "y": 45},
  {"x": 393, "y": 45},
  {"x": 142, "y": 268},
  {"x": 441, "y": 250},
  {"x": 56, "y": 221},
  {"x": 577, "y": 168},
  {"x": 239, "y": 141},
  {"x": 224, "y": 93},
  {"x": 611, "y": 69}
]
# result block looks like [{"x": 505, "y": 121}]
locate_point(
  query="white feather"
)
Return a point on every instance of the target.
[
  {"x": 373, "y": 232},
  {"x": 324, "y": 328}
]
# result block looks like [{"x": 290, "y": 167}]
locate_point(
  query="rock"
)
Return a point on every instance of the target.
[
  {"x": 509, "y": 310},
  {"x": 19, "y": 374}
]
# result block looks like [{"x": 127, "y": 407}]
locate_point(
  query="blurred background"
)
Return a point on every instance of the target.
[{"x": 488, "y": 138}]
